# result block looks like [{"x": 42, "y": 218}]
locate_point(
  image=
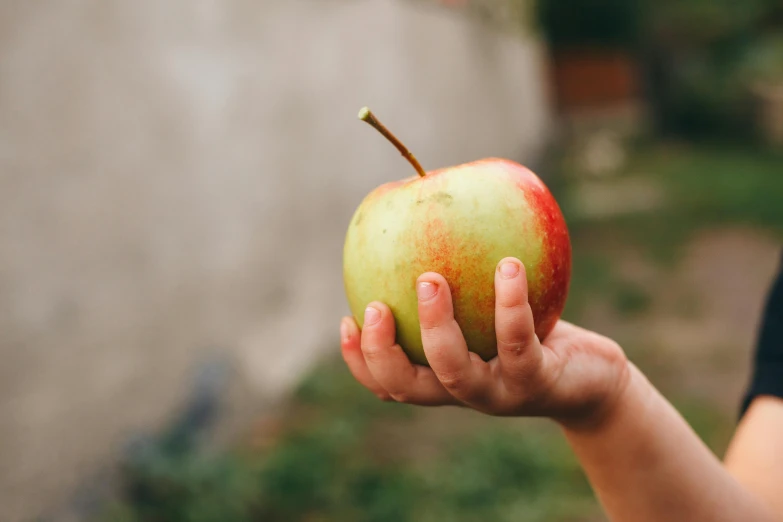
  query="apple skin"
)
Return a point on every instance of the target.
[{"x": 459, "y": 222}]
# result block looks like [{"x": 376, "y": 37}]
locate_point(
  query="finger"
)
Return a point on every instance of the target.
[
  {"x": 391, "y": 368},
  {"x": 519, "y": 351},
  {"x": 352, "y": 354},
  {"x": 464, "y": 375}
]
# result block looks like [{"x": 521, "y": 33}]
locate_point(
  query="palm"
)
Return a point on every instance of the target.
[
  {"x": 572, "y": 373},
  {"x": 587, "y": 366}
]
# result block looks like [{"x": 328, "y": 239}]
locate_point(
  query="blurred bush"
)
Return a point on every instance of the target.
[
  {"x": 697, "y": 62},
  {"x": 590, "y": 23},
  {"x": 764, "y": 59},
  {"x": 338, "y": 459},
  {"x": 591, "y": 46},
  {"x": 702, "y": 58}
]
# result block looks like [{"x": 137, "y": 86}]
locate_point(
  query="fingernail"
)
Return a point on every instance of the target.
[
  {"x": 426, "y": 290},
  {"x": 509, "y": 270},
  {"x": 371, "y": 316},
  {"x": 345, "y": 332}
]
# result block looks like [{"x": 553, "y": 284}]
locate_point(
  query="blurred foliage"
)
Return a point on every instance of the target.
[
  {"x": 331, "y": 468},
  {"x": 590, "y": 23},
  {"x": 593, "y": 275},
  {"x": 707, "y": 421},
  {"x": 515, "y": 16},
  {"x": 188, "y": 487},
  {"x": 696, "y": 23},
  {"x": 763, "y": 60},
  {"x": 699, "y": 58},
  {"x": 700, "y": 188},
  {"x": 702, "y": 58},
  {"x": 706, "y": 96},
  {"x": 703, "y": 186}
]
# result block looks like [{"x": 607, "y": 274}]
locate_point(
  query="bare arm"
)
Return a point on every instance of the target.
[
  {"x": 755, "y": 456},
  {"x": 646, "y": 464}
]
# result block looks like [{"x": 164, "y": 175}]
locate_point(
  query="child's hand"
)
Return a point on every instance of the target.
[{"x": 574, "y": 376}]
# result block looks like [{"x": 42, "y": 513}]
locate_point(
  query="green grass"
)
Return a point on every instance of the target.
[
  {"x": 335, "y": 467},
  {"x": 703, "y": 187},
  {"x": 344, "y": 456},
  {"x": 717, "y": 186},
  {"x": 490, "y": 472}
]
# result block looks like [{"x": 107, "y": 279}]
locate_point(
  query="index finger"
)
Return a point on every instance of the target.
[
  {"x": 391, "y": 368},
  {"x": 462, "y": 373}
]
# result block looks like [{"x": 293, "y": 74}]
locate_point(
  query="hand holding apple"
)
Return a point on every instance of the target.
[
  {"x": 423, "y": 252},
  {"x": 459, "y": 222},
  {"x": 574, "y": 376}
]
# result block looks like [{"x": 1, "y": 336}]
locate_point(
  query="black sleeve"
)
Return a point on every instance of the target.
[{"x": 767, "y": 377}]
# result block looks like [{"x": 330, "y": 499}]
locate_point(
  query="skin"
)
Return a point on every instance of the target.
[
  {"x": 755, "y": 456},
  {"x": 643, "y": 460},
  {"x": 440, "y": 222}
]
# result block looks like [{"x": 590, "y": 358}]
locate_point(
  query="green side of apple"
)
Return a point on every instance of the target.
[{"x": 458, "y": 222}]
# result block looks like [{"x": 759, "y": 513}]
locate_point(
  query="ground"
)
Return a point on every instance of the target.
[{"x": 674, "y": 250}]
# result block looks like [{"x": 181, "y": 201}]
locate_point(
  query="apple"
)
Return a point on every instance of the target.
[{"x": 459, "y": 222}]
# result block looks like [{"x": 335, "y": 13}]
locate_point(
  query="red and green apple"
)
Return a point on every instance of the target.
[{"x": 460, "y": 222}]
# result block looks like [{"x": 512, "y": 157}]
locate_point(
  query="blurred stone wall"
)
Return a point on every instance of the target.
[{"x": 175, "y": 181}]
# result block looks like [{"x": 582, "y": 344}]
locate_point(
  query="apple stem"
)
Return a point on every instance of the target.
[{"x": 366, "y": 115}]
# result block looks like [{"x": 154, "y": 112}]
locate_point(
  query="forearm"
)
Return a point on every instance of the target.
[
  {"x": 755, "y": 456},
  {"x": 646, "y": 464}
]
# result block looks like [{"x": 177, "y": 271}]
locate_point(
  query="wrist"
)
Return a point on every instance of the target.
[{"x": 630, "y": 398}]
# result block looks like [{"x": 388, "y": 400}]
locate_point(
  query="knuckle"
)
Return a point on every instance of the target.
[
  {"x": 431, "y": 324},
  {"x": 513, "y": 348},
  {"x": 433, "y": 317},
  {"x": 454, "y": 381},
  {"x": 608, "y": 344},
  {"x": 427, "y": 327},
  {"x": 373, "y": 353},
  {"x": 402, "y": 397},
  {"x": 515, "y": 313},
  {"x": 514, "y": 333},
  {"x": 511, "y": 300},
  {"x": 475, "y": 358},
  {"x": 438, "y": 352},
  {"x": 432, "y": 331},
  {"x": 384, "y": 397}
]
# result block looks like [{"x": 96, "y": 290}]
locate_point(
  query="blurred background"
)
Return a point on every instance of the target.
[{"x": 176, "y": 179}]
